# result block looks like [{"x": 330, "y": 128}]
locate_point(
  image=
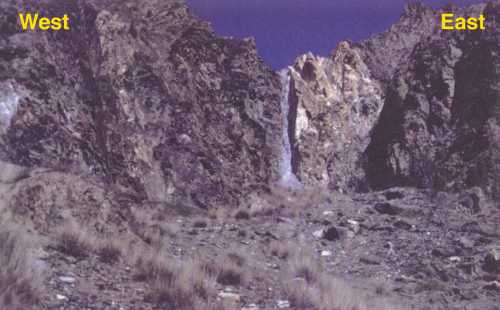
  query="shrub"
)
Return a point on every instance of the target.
[
  {"x": 109, "y": 252},
  {"x": 174, "y": 284},
  {"x": 151, "y": 265},
  {"x": 73, "y": 241},
  {"x": 304, "y": 265},
  {"x": 232, "y": 271},
  {"x": 230, "y": 276},
  {"x": 242, "y": 215},
  {"x": 280, "y": 249},
  {"x": 311, "y": 288}
]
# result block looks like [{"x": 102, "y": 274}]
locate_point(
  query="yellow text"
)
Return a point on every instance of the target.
[
  {"x": 449, "y": 22},
  {"x": 31, "y": 22}
]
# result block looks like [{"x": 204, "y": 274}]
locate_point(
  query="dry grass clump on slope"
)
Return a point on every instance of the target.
[
  {"x": 309, "y": 286},
  {"x": 174, "y": 284},
  {"x": 19, "y": 281}
]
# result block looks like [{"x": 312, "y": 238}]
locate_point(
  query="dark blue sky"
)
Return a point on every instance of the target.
[{"x": 285, "y": 29}]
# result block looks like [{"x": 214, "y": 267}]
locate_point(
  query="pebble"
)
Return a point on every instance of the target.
[
  {"x": 328, "y": 213},
  {"x": 283, "y": 304},
  {"x": 326, "y": 253},
  {"x": 66, "y": 279},
  {"x": 318, "y": 233},
  {"x": 455, "y": 259},
  {"x": 492, "y": 261},
  {"x": 353, "y": 226},
  {"x": 61, "y": 297}
]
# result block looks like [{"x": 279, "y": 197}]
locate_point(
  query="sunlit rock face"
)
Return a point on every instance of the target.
[
  {"x": 142, "y": 97},
  {"x": 336, "y": 103},
  {"x": 413, "y": 106}
]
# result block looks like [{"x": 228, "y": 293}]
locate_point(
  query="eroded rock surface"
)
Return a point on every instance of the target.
[
  {"x": 336, "y": 104},
  {"x": 143, "y": 96},
  {"x": 439, "y": 127},
  {"x": 413, "y": 106}
]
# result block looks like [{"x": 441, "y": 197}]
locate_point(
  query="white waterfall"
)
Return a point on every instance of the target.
[{"x": 288, "y": 179}]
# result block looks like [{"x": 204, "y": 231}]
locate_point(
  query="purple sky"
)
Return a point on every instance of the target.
[{"x": 285, "y": 29}]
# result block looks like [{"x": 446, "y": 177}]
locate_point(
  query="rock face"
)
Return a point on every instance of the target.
[
  {"x": 336, "y": 103},
  {"x": 439, "y": 126},
  {"x": 149, "y": 103},
  {"x": 414, "y": 106},
  {"x": 144, "y": 97}
]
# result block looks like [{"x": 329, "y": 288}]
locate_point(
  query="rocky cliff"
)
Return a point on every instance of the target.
[
  {"x": 439, "y": 125},
  {"x": 414, "y": 106},
  {"x": 143, "y": 98}
]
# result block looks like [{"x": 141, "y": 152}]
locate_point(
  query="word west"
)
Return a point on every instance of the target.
[
  {"x": 449, "y": 22},
  {"x": 31, "y": 22}
]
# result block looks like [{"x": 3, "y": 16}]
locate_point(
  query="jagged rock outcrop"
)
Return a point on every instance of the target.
[
  {"x": 336, "y": 103},
  {"x": 439, "y": 126},
  {"x": 143, "y": 97},
  {"x": 439, "y": 96}
]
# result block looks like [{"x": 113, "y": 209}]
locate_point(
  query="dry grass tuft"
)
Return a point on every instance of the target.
[
  {"x": 174, "y": 284},
  {"x": 302, "y": 264},
  {"x": 151, "y": 264},
  {"x": 280, "y": 249},
  {"x": 109, "y": 251},
  {"x": 74, "y": 241},
  {"x": 19, "y": 281},
  {"x": 233, "y": 270},
  {"x": 186, "y": 285},
  {"x": 242, "y": 214},
  {"x": 309, "y": 287}
]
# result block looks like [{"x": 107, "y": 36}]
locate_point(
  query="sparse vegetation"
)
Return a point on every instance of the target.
[
  {"x": 309, "y": 287},
  {"x": 200, "y": 223},
  {"x": 302, "y": 264},
  {"x": 19, "y": 282},
  {"x": 74, "y": 241},
  {"x": 281, "y": 250},
  {"x": 233, "y": 270},
  {"x": 242, "y": 215},
  {"x": 174, "y": 284},
  {"x": 109, "y": 251}
]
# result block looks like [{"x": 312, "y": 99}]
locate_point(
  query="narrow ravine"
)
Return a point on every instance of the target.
[{"x": 288, "y": 178}]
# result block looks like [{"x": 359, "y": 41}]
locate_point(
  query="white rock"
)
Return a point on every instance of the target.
[
  {"x": 283, "y": 304},
  {"x": 328, "y": 213},
  {"x": 66, "y": 279},
  {"x": 353, "y": 226},
  {"x": 318, "y": 233},
  {"x": 61, "y": 297},
  {"x": 229, "y": 296},
  {"x": 326, "y": 253},
  {"x": 454, "y": 259}
]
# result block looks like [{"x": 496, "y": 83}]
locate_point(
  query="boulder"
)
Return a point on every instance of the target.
[{"x": 492, "y": 261}]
